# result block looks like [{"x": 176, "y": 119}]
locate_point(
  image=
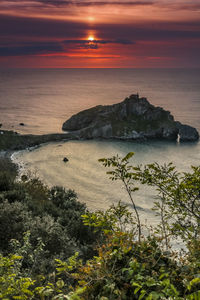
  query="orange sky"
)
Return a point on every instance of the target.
[{"x": 96, "y": 34}]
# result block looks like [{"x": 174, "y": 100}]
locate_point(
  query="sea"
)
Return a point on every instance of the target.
[{"x": 43, "y": 99}]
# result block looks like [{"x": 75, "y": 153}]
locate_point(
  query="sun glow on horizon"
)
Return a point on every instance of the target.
[{"x": 91, "y": 38}]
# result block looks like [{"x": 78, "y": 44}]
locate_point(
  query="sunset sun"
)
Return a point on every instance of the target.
[{"x": 91, "y": 38}]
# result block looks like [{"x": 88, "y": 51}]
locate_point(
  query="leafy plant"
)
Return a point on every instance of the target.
[
  {"x": 123, "y": 171},
  {"x": 179, "y": 195},
  {"x": 12, "y": 284}
]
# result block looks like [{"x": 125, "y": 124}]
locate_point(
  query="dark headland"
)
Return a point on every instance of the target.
[{"x": 132, "y": 119}]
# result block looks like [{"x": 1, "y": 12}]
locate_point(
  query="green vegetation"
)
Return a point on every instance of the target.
[
  {"x": 10, "y": 140},
  {"x": 51, "y": 216},
  {"x": 138, "y": 124},
  {"x": 52, "y": 247}
]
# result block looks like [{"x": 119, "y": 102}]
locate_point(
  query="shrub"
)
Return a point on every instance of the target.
[
  {"x": 12, "y": 284},
  {"x": 14, "y": 220}
]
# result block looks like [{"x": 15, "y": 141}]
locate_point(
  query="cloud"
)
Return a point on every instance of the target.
[
  {"x": 189, "y": 6},
  {"x": 69, "y": 36},
  {"x": 37, "y": 48},
  {"x": 38, "y": 27},
  {"x": 95, "y": 3},
  {"x": 87, "y": 44},
  {"x": 30, "y": 49},
  {"x": 33, "y": 28},
  {"x": 157, "y": 31},
  {"x": 63, "y": 3}
]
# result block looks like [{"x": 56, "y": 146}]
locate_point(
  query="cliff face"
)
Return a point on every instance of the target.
[{"x": 134, "y": 118}]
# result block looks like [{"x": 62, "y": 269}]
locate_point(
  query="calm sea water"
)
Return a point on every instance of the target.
[{"x": 44, "y": 99}]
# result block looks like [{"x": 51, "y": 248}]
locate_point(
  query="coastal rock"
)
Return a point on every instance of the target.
[
  {"x": 187, "y": 133},
  {"x": 133, "y": 119}
]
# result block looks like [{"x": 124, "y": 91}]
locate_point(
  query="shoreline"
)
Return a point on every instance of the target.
[
  {"x": 11, "y": 141},
  {"x": 147, "y": 145}
]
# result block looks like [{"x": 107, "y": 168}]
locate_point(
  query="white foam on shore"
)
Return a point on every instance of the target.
[{"x": 23, "y": 167}]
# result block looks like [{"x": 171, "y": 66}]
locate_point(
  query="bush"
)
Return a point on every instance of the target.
[
  {"x": 14, "y": 220},
  {"x": 12, "y": 284},
  {"x": 51, "y": 215},
  {"x": 126, "y": 268}
]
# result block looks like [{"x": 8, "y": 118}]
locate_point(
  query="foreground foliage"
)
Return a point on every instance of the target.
[
  {"x": 51, "y": 216},
  {"x": 116, "y": 257}
]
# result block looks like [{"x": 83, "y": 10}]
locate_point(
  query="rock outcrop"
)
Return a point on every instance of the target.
[
  {"x": 134, "y": 118},
  {"x": 187, "y": 133}
]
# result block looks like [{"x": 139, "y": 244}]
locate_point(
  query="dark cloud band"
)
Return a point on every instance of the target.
[
  {"x": 116, "y": 41},
  {"x": 95, "y": 3},
  {"x": 21, "y": 27},
  {"x": 38, "y": 48},
  {"x": 190, "y": 6},
  {"x": 30, "y": 49},
  {"x": 62, "y": 3}
]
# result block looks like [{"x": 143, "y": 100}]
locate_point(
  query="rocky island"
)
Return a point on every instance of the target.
[{"x": 132, "y": 119}]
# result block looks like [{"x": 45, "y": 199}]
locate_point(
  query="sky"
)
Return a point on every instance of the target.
[{"x": 99, "y": 33}]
